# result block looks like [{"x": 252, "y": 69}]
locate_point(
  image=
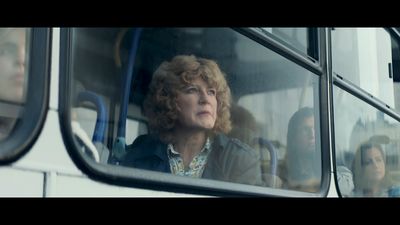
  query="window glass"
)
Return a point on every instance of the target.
[
  {"x": 87, "y": 119},
  {"x": 134, "y": 128},
  {"x": 368, "y": 58},
  {"x": 298, "y": 37},
  {"x": 24, "y": 53},
  {"x": 14, "y": 52},
  {"x": 367, "y": 145},
  {"x": 271, "y": 139}
]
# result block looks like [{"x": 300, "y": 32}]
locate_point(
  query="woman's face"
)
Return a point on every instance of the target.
[
  {"x": 197, "y": 106},
  {"x": 306, "y": 134},
  {"x": 373, "y": 164},
  {"x": 12, "y": 65}
]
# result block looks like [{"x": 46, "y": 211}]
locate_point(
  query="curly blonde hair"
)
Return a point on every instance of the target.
[{"x": 160, "y": 105}]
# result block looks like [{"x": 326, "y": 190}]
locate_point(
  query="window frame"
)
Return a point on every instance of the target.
[{"x": 311, "y": 53}]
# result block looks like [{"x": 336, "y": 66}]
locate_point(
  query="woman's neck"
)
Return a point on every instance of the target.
[
  {"x": 189, "y": 143},
  {"x": 374, "y": 190}
]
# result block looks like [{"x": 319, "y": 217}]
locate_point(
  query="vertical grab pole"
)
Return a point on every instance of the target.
[{"x": 120, "y": 142}]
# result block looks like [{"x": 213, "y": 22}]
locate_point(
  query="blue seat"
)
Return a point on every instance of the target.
[
  {"x": 266, "y": 144},
  {"x": 99, "y": 151}
]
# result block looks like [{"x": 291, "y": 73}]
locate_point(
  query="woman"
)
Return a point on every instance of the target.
[
  {"x": 370, "y": 174},
  {"x": 188, "y": 106},
  {"x": 12, "y": 74},
  {"x": 303, "y": 160}
]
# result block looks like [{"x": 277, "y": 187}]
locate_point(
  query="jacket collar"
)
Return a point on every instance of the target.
[
  {"x": 151, "y": 146},
  {"x": 220, "y": 141},
  {"x": 155, "y": 147}
]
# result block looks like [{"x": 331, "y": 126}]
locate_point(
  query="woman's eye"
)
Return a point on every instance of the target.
[
  {"x": 191, "y": 90},
  {"x": 212, "y": 92},
  {"x": 367, "y": 162}
]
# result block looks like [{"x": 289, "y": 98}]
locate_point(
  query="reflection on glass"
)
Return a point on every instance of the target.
[
  {"x": 370, "y": 174},
  {"x": 370, "y": 59},
  {"x": 367, "y": 148},
  {"x": 12, "y": 76}
]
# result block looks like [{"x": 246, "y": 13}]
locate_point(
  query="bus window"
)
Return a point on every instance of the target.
[
  {"x": 357, "y": 125},
  {"x": 17, "y": 49},
  {"x": 369, "y": 59},
  {"x": 365, "y": 68},
  {"x": 117, "y": 65}
]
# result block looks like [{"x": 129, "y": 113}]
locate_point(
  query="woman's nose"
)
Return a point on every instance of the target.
[
  {"x": 21, "y": 56},
  {"x": 203, "y": 97},
  {"x": 20, "y": 59},
  {"x": 312, "y": 132},
  {"x": 376, "y": 164}
]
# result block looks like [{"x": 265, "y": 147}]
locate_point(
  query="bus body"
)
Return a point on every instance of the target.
[{"x": 80, "y": 81}]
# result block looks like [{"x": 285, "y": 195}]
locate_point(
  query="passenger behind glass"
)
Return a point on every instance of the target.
[
  {"x": 246, "y": 129},
  {"x": 303, "y": 160},
  {"x": 188, "y": 107},
  {"x": 371, "y": 177},
  {"x": 12, "y": 75},
  {"x": 244, "y": 125}
]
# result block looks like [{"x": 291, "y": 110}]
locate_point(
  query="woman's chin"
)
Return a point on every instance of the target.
[{"x": 207, "y": 126}]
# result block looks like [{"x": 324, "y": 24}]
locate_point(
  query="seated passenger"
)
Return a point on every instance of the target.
[
  {"x": 245, "y": 128},
  {"x": 303, "y": 160},
  {"x": 12, "y": 74},
  {"x": 244, "y": 125},
  {"x": 188, "y": 106},
  {"x": 371, "y": 177}
]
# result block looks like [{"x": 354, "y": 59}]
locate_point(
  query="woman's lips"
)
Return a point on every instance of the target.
[{"x": 204, "y": 113}]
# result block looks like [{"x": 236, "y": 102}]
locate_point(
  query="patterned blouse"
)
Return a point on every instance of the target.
[{"x": 196, "y": 166}]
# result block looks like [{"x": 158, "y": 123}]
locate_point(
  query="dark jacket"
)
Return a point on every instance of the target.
[{"x": 230, "y": 160}]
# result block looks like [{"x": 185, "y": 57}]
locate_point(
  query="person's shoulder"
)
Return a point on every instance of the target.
[
  {"x": 343, "y": 169},
  {"x": 142, "y": 146},
  {"x": 234, "y": 145},
  {"x": 141, "y": 140},
  {"x": 241, "y": 145},
  {"x": 345, "y": 180}
]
